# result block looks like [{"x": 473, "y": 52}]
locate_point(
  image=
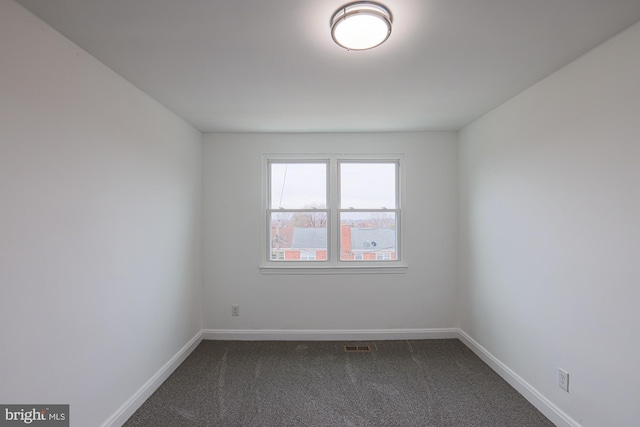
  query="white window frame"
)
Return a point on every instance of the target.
[{"x": 333, "y": 264}]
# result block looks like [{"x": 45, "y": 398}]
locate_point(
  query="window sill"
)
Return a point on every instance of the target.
[{"x": 333, "y": 269}]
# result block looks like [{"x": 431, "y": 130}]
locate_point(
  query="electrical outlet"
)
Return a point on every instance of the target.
[
  {"x": 563, "y": 379},
  {"x": 235, "y": 310}
]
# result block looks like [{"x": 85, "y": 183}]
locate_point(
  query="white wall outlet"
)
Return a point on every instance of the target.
[
  {"x": 235, "y": 310},
  {"x": 563, "y": 379}
]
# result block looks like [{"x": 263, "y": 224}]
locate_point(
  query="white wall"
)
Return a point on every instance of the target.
[
  {"x": 550, "y": 233},
  {"x": 423, "y": 297},
  {"x": 99, "y": 226}
]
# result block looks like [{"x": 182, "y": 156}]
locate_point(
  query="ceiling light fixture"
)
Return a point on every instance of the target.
[{"x": 361, "y": 25}]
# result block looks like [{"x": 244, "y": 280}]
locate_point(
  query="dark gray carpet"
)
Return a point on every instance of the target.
[{"x": 399, "y": 383}]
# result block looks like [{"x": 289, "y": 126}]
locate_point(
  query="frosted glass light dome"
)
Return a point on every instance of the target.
[{"x": 361, "y": 25}]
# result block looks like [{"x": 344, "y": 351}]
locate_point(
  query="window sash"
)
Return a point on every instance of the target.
[
  {"x": 345, "y": 161},
  {"x": 396, "y": 196},
  {"x": 322, "y": 254},
  {"x": 271, "y": 162},
  {"x": 349, "y": 254}
]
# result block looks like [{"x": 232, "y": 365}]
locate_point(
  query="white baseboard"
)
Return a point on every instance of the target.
[
  {"x": 328, "y": 335},
  {"x": 544, "y": 405},
  {"x": 143, "y": 393}
]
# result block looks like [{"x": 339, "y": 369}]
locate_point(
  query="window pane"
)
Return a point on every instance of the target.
[
  {"x": 368, "y": 185},
  {"x": 368, "y": 236},
  {"x": 298, "y": 185},
  {"x": 298, "y": 236}
]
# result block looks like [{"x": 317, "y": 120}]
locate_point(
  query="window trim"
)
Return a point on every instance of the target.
[{"x": 333, "y": 264}]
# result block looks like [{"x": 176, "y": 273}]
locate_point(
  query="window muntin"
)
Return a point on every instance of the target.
[{"x": 361, "y": 197}]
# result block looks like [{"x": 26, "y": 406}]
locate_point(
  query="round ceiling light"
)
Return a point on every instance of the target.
[{"x": 361, "y": 25}]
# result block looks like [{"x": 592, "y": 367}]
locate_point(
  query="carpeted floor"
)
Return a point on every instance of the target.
[{"x": 316, "y": 383}]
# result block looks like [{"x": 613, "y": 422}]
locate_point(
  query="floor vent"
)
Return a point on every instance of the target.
[{"x": 357, "y": 348}]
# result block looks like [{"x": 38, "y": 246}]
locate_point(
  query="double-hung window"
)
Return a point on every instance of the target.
[
  {"x": 368, "y": 210},
  {"x": 297, "y": 213},
  {"x": 332, "y": 211}
]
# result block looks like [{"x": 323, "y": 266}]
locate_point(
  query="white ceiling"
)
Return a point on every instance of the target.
[{"x": 271, "y": 66}]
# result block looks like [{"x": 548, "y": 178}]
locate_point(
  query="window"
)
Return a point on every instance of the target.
[
  {"x": 368, "y": 209},
  {"x": 308, "y": 255},
  {"x": 297, "y": 210},
  {"x": 332, "y": 211}
]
